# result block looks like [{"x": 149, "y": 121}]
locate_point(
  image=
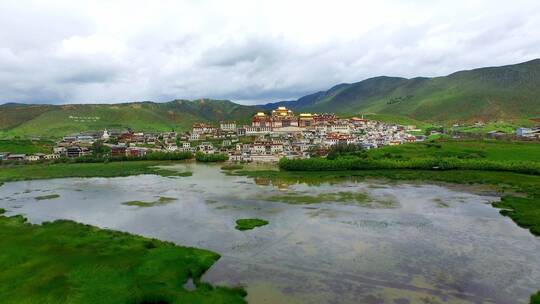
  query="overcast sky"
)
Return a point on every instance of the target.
[{"x": 247, "y": 51}]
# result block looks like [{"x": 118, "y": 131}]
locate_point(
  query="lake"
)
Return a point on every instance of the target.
[{"x": 338, "y": 241}]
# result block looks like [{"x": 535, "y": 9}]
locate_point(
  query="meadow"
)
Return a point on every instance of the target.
[
  {"x": 100, "y": 266},
  {"x": 24, "y": 146},
  {"x": 464, "y": 149},
  {"x": 111, "y": 169}
]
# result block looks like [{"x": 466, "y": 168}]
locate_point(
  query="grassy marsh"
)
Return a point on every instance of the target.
[
  {"x": 46, "y": 197},
  {"x": 535, "y": 298},
  {"x": 162, "y": 200},
  {"x": 100, "y": 266},
  {"x": 360, "y": 198},
  {"x": 248, "y": 224},
  {"x": 112, "y": 169}
]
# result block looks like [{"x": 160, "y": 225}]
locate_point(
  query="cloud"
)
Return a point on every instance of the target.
[{"x": 248, "y": 51}]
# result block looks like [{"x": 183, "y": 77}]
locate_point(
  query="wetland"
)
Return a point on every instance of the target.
[{"x": 327, "y": 240}]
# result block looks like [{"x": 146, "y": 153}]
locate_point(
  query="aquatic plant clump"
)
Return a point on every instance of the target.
[
  {"x": 46, "y": 197},
  {"x": 248, "y": 224},
  {"x": 162, "y": 200},
  {"x": 359, "y": 198}
]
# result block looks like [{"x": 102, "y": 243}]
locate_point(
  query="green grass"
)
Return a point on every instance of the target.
[
  {"x": 111, "y": 169},
  {"x": 398, "y": 119},
  {"x": 535, "y": 298},
  {"x": 162, "y": 200},
  {"x": 444, "y": 154},
  {"x": 506, "y": 127},
  {"x": 58, "y": 120},
  {"x": 465, "y": 149},
  {"x": 524, "y": 211},
  {"x": 248, "y": 224},
  {"x": 166, "y": 172},
  {"x": 67, "y": 262},
  {"x": 232, "y": 167},
  {"x": 46, "y": 197},
  {"x": 19, "y": 146}
]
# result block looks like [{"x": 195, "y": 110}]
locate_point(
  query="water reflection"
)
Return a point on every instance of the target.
[{"x": 435, "y": 245}]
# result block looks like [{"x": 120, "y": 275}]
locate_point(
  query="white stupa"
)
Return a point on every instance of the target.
[{"x": 105, "y": 135}]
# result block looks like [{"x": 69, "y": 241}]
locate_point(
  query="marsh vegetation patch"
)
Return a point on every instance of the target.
[
  {"x": 248, "y": 224},
  {"x": 46, "y": 197},
  {"x": 95, "y": 260},
  {"x": 162, "y": 200},
  {"x": 358, "y": 198}
]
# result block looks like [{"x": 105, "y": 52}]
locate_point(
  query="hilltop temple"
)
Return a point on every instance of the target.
[{"x": 284, "y": 119}]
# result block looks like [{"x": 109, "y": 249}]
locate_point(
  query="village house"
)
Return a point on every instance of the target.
[
  {"x": 202, "y": 128},
  {"x": 35, "y": 157},
  {"x": 235, "y": 156},
  {"x": 171, "y": 147},
  {"x": 135, "y": 152},
  {"x": 51, "y": 156},
  {"x": 206, "y": 148},
  {"x": 528, "y": 132},
  {"x": 16, "y": 157},
  {"x": 118, "y": 150},
  {"x": 340, "y": 127},
  {"x": 229, "y": 126},
  {"x": 69, "y": 139},
  {"x": 261, "y": 148}
]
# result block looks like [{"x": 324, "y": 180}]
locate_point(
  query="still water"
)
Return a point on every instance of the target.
[{"x": 400, "y": 243}]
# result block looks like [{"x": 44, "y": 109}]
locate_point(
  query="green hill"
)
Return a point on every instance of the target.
[
  {"x": 57, "y": 120},
  {"x": 508, "y": 93}
]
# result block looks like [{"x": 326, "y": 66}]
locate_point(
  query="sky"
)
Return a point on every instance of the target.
[{"x": 249, "y": 51}]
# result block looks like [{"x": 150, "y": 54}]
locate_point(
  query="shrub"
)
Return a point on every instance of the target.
[
  {"x": 232, "y": 167},
  {"x": 355, "y": 163},
  {"x": 209, "y": 158},
  {"x": 342, "y": 149},
  {"x": 158, "y": 155}
]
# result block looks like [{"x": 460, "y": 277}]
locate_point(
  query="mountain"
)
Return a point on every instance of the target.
[
  {"x": 57, "y": 120},
  {"x": 509, "y": 92}
]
